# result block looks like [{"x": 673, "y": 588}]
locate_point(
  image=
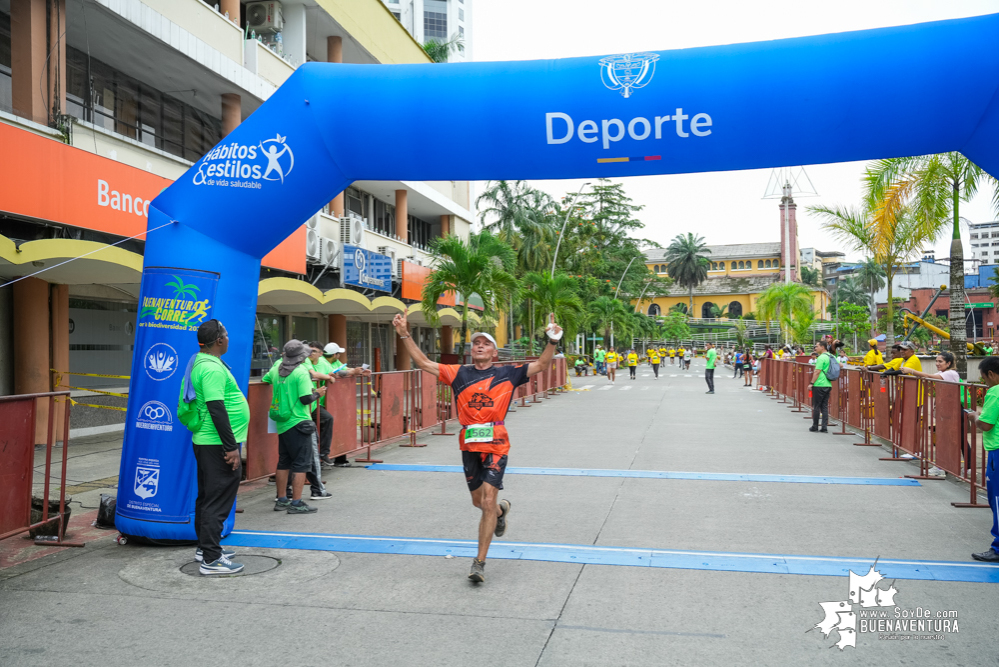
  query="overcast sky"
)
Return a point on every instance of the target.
[{"x": 724, "y": 207}]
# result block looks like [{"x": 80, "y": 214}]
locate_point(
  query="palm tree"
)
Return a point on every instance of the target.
[
  {"x": 606, "y": 312},
  {"x": 893, "y": 238},
  {"x": 871, "y": 275},
  {"x": 556, "y": 294},
  {"x": 851, "y": 290},
  {"x": 800, "y": 327},
  {"x": 439, "y": 51},
  {"x": 477, "y": 267},
  {"x": 783, "y": 302},
  {"x": 933, "y": 186},
  {"x": 686, "y": 263}
]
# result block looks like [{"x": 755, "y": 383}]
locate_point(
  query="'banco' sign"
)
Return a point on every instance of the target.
[{"x": 366, "y": 269}]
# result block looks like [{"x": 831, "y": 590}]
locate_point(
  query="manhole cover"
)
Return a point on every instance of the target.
[{"x": 251, "y": 565}]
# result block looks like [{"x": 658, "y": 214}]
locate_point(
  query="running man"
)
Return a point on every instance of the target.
[
  {"x": 687, "y": 356},
  {"x": 709, "y": 374},
  {"x": 655, "y": 359},
  {"x": 680, "y": 352},
  {"x": 672, "y": 356},
  {"x": 632, "y": 362},
  {"x": 612, "y": 360},
  {"x": 663, "y": 352},
  {"x": 482, "y": 392}
]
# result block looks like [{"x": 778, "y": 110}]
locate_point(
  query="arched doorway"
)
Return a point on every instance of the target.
[
  {"x": 735, "y": 309},
  {"x": 654, "y": 310},
  {"x": 708, "y": 309}
]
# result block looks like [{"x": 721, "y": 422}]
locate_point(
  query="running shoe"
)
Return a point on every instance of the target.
[
  {"x": 342, "y": 464},
  {"x": 281, "y": 505},
  {"x": 478, "y": 573},
  {"x": 221, "y": 566},
  {"x": 301, "y": 508},
  {"x": 501, "y": 521},
  {"x": 200, "y": 557},
  {"x": 325, "y": 495}
]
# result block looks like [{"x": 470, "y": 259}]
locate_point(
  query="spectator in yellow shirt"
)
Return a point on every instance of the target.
[
  {"x": 907, "y": 357},
  {"x": 873, "y": 356}
]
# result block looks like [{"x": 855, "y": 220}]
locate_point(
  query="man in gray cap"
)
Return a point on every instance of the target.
[
  {"x": 483, "y": 392},
  {"x": 293, "y": 396}
]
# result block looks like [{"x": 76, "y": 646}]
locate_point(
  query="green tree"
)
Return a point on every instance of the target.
[
  {"x": 800, "y": 327},
  {"x": 607, "y": 312},
  {"x": 811, "y": 276},
  {"x": 893, "y": 238},
  {"x": 784, "y": 302},
  {"x": 554, "y": 294},
  {"x": 674, "y": 327},
  {"x": 933, "y": 186},
  {"x": 850, "y": 290},
  {"x": 853, "y": 320},
  {"x": 480, "y": 266},
  {"x": 440, "y": 51},
  {"x": 687, "y": 264}
]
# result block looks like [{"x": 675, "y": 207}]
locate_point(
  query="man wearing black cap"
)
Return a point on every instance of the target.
[
  {"x": 483, "y": 392},
  {"x": 223, "y": 418}
]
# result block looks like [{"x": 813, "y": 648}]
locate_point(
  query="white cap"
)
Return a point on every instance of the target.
[
  {"x": 483, "y": 334},
  {"x": 333, "y": 348}
]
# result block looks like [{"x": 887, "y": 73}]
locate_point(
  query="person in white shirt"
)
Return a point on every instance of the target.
[{"x": 945, "y": 369}]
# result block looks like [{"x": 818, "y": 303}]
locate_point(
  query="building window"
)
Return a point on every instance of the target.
[
  {"x": 461, "y": 14},
  {"x": 121, "y": 104},
  {"x": 974, "y": 236},
  {"x": 654, "y": 310},
  {"x": 6, "y": 97},
  {"x": 735, "y": 309},
  {"x": 419, "y": 232},
  {"x": 268, "y": 341},
  {"x": 435, "y": 19},
  {"x": 742, "y": 265},
  {"x": 708, "y": 309},
  {"x": 461, "y": 32},
  {"x": 358, "y": 343},
  {"x": 734, "y": 266},
  {"x": 766, "y": 264},
  {"x": 759, "y": 264}
]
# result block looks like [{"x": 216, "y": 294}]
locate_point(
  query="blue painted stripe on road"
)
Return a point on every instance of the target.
[
  {"x": 827, "y": 566},
  {"x": 666, "y": 474}
]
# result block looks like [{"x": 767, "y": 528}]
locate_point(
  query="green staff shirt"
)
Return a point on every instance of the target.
[
  {"x": 711, "y": 355},
  {"x": 212, "y": 381},
  {"x": 822, "y": 364},
  {"x": 287, "y": 392},
  {"x": 324, "y": 367},
  {"x": 990, "y": 415},
  {"x": 599, "y": 355}
]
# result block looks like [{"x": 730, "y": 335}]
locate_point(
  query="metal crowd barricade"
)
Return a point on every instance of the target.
[
  {"x": 926, "y": 420},
  {"x": 18, "y": 416}
]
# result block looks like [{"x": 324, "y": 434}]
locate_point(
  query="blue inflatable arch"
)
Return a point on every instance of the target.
[{"x": 910, "y": 90}]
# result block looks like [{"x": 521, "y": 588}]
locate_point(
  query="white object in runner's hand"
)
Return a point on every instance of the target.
[{"x": 550, "y": 329}]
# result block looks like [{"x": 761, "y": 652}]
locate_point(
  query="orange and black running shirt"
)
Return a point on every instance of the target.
[{"x": 483, "y": 397}]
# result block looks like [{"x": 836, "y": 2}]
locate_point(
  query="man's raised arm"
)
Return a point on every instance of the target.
[
  {"x": 544, "y": 362},
  {"x": 415, "y": 353}
]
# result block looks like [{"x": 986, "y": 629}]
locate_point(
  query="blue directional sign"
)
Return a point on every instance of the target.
[{"x": 366, "y": 269}]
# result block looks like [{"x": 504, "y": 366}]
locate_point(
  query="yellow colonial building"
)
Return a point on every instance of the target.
[{"x": 739, "y": 273}]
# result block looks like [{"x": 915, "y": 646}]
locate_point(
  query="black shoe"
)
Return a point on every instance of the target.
[
  {"x": 823, "y": 430},
  {"x": 281, "y": 505},
  {"x": 990, "y": 556},
  {"x": 326, "y": 459},
  {"x": 325, "y": 495},
  {"x": 709, "y": 392},
  {"x": 501, "y": 521},
  {"x": 813, "y": 429}
]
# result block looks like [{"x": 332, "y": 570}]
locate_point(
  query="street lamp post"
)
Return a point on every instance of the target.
[
  {"x": 618, "y": 290},
  {"x": 568, "y": 213}
]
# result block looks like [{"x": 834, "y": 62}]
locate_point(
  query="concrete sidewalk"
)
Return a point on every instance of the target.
[{"x": 127, "y": 605}]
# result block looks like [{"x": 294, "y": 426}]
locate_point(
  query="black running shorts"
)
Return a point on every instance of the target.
[
  {"x": 295, "y": 448},
  {"x": 483, "y": 467}
]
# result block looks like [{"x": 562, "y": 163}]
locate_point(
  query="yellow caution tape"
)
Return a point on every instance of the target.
[
  {"x": 99, "y": 391},
  {"x": 103, "y": 407},
  {"x": 93, "y": 375}
]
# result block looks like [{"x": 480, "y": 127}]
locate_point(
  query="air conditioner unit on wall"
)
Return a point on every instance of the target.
[
  {"x": 313, "y": 222},
  {"x": 265, "y": 17},
  {"x": 329, "y": 250},
  {"x": 313, "y": 247}
]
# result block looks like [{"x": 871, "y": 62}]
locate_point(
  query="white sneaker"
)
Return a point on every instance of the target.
[
  {"x": 936, "y": 472},
  {"x": 228, "y": 553}
]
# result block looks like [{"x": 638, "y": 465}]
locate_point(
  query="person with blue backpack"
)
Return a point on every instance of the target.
[{"x": 826, "y": 370}]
